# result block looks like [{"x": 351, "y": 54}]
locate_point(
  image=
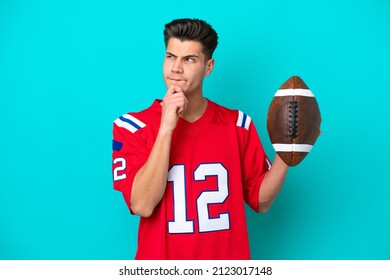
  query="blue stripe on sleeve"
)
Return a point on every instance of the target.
[
  {"x": 129, "y": 122},
  {"x": 243, "y": 120}
]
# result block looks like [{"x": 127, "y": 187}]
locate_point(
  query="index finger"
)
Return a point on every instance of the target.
[{"x": 173, "y": 89}]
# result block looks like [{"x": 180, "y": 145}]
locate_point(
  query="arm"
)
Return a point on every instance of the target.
[
  {"x": 272, "y": 184},
  {"x": 150, "y": 181}
]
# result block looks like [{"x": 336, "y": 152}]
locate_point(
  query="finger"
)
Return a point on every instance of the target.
[
  {"x": 180, "y": 109},
  {"x": 176, "y": 103},
  {"x": 174, "y": 89},
  {"x": 181, "y": 106},
  {"x": 174, "y": 100}
]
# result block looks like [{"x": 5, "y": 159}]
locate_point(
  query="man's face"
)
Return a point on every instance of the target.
[{"x": 185, "y": 66}]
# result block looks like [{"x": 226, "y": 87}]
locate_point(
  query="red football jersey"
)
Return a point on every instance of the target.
[{"x": 216, "y": 163}]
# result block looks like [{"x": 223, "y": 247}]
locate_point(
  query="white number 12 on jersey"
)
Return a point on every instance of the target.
[{"x": 180, "y": 224}]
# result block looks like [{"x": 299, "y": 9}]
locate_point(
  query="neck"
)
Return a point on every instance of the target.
[{"x": 195, "y": 108}]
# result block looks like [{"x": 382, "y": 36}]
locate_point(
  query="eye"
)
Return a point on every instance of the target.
[
  {"x": 169, "y": 56},
  {"x": 191, "y": 59}
]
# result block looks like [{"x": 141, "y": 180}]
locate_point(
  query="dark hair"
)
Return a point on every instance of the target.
[{"x": 192, "y": 30}]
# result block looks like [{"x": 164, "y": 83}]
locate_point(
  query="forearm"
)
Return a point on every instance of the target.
[
  {"x": 151, "y": 180},
  {"x": 272, "y": 184}
]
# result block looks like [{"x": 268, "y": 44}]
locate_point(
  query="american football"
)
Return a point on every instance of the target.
[{"x": 293, "y": 121}]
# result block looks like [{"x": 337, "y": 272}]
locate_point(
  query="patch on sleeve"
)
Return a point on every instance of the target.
[
  {"x": 243, "y": 120},
  {"x": 116, "y": 145}
]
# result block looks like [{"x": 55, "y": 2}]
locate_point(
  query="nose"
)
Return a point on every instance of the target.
[{"x": 177, "y": 66}]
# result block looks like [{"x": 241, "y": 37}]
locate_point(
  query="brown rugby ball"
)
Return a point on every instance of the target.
[{"x": 293, "y": 121}]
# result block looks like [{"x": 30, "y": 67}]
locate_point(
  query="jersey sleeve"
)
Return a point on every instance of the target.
[
  {"x": 255, "y": 163},
  {"x": 129, "y": 153}
]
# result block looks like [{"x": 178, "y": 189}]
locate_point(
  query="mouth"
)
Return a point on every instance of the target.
[{"x": 176, "y": 80}]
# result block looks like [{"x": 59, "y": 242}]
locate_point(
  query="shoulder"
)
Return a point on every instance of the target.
[
  {"x": 233, "y": 116},
  {"x": 135, "y": 121}
]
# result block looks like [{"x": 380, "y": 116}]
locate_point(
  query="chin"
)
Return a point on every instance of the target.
[{"x": 176, "y": 84}]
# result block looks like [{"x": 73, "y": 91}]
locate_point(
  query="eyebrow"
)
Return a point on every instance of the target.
[{"x": 187, "y": 56}]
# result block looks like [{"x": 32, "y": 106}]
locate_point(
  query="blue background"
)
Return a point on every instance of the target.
[{"x": 69, "y": 68}]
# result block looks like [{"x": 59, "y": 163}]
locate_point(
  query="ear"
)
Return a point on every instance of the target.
[{"x": 209, "y": 67}]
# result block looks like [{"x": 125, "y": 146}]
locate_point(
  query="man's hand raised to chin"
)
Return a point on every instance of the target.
[{"x": 173, "y": 106}]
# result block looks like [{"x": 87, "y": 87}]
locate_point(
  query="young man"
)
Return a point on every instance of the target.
[{"x": 186, "y": 165}]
